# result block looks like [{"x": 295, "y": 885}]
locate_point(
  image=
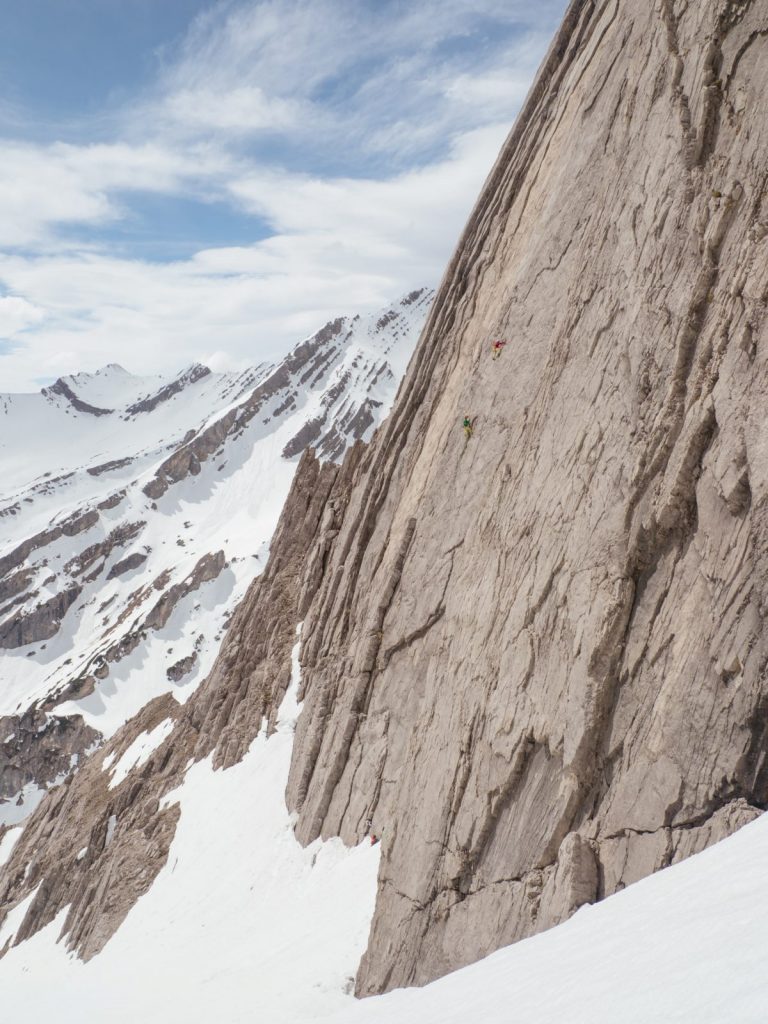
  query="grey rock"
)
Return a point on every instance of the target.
[
  {"x": 182, "y": 667},
  {"x": 127, "y": 564},
  {"x": 70, "y": 527},
  {"x": 187, "y": 458},
  {"x": 40, "y": 748},
  {"x": 537, "y": 658},
  {"x": 195, "y": 373},
  {"x": 60, "y": 387},
  {"x": 41, "y": 623},
  {"x": 207, "y": 568}
]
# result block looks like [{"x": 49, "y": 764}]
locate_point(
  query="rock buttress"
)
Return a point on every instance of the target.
[
  {"x": 537, "y": 659},
  {"x": 96, "y": 849}
]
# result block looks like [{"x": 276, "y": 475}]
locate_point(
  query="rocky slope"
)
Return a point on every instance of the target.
[
  {"x": 135, "y": 513},
  {"x": 534, "y": 661},
  {"x": 97, "y": 843}
]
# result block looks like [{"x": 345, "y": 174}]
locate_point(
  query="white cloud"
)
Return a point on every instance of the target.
[
  {"x": 359, "y": 74},
  {"x": 37, "y": 189},
  {"x": 45, "y": 187},
  {"x": 408, "y": 219},
  {"x": 16, "y": 315},
  {"x": 240, "y": 109},
  {"x": 412, "y": 101},
  {"x": 339, "y": 247}
]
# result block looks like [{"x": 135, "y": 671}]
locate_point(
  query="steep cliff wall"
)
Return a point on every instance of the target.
[{"x": 537, "y": 659}]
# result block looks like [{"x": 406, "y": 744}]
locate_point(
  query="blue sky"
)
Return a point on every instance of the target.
[{"x": 184, "y": 180}]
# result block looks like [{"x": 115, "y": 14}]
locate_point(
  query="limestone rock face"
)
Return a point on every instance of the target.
[{"x": 536, "y": 660}]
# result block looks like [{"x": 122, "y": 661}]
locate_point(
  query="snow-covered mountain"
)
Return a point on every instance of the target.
[{"x": 136, "y": 510}]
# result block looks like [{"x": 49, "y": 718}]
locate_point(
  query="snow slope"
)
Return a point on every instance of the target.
[
  {"x": 244, "y": 925},
  {"x": 684, "y": 946},
  {"x": 135, "y": 512}
]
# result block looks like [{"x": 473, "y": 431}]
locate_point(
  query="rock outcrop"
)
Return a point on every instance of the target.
[
  {"x": 63, "y": 390},
  {"x": 38, "y": 748},
  {"x": 97, "y": 849},
  {"x": 206, "y": 569},
  {"x": 537, "y": 659},
  {"x": 41, "y": 623},
  {"x": 308, "y": 360},
  {"x": 195, "y": 373}
]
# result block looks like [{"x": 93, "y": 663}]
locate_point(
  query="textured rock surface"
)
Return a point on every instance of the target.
[
  {"x": 207, "y": 568},
  {"x": 60, "y": 387},
  {"x": 79, "y": 848},
  {"x": 39, "y": 624},
  {"x": 37, "y": 748},
  {"x": 195, "y": 372},
  {"x": 69, "y": 852},
  {"x": 537, "y": 659},
  {"x": 309, "y": 360}
]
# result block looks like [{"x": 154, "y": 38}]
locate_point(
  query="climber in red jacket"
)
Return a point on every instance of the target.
[{"x": 496, "y": 347}]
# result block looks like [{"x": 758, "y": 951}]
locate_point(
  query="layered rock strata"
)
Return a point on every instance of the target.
[
  {"x": 97, "y": 848},
  {"x": 537, "y": 661},
  {"x": 534, "y": 661},
  {"x": 41, "y": 749}
]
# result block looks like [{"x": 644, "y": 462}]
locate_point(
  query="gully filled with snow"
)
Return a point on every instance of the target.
[{"x": 241, "y": 924}]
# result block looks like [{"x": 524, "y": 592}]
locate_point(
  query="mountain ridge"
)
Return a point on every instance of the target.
[{"x": 119, "y": 563}]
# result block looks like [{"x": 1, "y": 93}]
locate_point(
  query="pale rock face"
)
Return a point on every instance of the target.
[{"x": 537, "y": 658}]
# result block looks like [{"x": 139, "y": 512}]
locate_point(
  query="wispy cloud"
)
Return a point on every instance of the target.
[
  {"x": 352, "y": 136},
  {"x": 362, "y": 74},
  {"x": 43, "y": 187},
  {"x": 16, "y": 315}
]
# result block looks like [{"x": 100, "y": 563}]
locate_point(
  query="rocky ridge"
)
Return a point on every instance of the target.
[
  {"x": 537, "y": 662},
  {"x": 124, "y": 593},
  {"x": 95, "y": 847}
]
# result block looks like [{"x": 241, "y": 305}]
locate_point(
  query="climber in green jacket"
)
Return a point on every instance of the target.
[{"x": 467, "y": 425}]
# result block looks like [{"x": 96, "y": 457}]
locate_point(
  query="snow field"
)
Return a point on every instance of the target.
[
  {"x": 684, "y": 946},
  {"x": 241, "y": 925}
]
